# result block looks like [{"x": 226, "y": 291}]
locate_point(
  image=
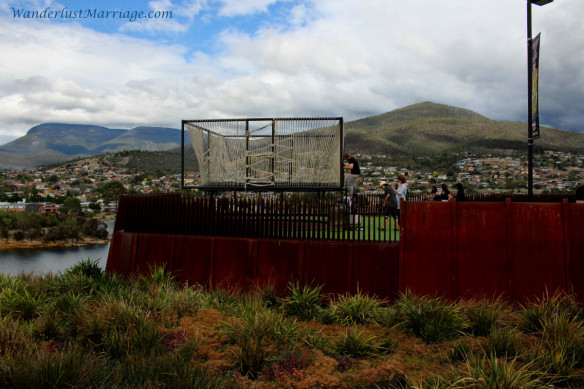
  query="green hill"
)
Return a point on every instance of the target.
[
  {"x": 429, "y": 128},
  {"x": 419, "y": 129}
]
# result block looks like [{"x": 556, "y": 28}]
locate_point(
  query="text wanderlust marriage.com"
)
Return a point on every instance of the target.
[{"x": 89, "y": 13}]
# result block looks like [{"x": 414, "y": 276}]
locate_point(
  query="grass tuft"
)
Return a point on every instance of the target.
[
  {"x": 356, "y": 309},
  {"x": 431, "y": 319},
  {"x": 303, "y": 302}
]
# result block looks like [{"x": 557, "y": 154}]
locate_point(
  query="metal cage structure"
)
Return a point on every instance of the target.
[{"x": 266, "y": 154}]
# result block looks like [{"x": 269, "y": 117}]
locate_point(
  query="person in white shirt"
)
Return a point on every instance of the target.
[{"x": 402, "y": 190}]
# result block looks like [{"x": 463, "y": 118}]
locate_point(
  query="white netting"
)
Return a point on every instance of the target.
[{"x": 263, "y": 153}]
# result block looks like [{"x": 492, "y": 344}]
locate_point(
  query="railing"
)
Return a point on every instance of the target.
[
  {"x": 309, "y": 217},
  {"x": 325, "y": 216},
  {"x": 501, "y": 197}
]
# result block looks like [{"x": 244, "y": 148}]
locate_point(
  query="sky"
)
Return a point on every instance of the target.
[{"x": 122, "y": 64}]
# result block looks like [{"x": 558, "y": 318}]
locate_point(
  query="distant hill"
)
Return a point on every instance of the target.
[
  {"x": 56, "y": 142},
  {"x": 429, "y": 128},
  {"x": 137, "y": 161},
  {"x": 425, "y": 128}
]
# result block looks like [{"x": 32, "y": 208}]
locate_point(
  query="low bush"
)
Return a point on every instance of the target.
[
  {"x": 431, "y": 319},
  {"x": 303, "y": 302},
  {"x": 356, "y": 309}
]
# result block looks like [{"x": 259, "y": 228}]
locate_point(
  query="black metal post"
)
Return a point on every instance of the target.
[
  {"x": 182, "y": 156},
  {"x": 529, "y": 109}
]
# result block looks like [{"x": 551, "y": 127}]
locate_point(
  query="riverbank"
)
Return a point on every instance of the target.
[{"x": 11, "y": 244}]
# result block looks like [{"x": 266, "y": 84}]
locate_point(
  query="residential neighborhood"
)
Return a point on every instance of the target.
[{"x": 90, "y": 180}]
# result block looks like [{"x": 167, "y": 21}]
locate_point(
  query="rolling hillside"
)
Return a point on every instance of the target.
[
  {"x": 420, "y": 129},
  {"x": 429, "y": 128}
]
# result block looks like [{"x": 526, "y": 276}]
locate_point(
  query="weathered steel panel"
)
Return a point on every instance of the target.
[
  {"x": 480, "y": 242},
  {"x": 279, "y": 262},
  {"x": 328, "y": 264},
  {"x": 121, "y": 253},
  {"x": 426, "y": 243},
  {"x": 234, "y": 262},
  {"x": 375, "y": 269},
  {"x": 193, "y": 259},
  {"x": 537, "y": 253}
]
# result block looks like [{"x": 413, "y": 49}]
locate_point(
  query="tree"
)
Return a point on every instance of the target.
[
  {"x": 71, "y": 207},
  {"x": 111, "y": 191}
]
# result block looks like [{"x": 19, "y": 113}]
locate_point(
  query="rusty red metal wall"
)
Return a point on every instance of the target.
[
  {"x": 222, "y": 261},
  {"x": 466, "y": 249},
  {"x": 518, "y": 250}
]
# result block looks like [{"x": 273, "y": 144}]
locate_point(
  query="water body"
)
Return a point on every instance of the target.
[{"x": 55, "y": 260}]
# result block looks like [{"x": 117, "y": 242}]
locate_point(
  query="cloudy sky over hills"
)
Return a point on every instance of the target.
[{"x": 90, "y": 62}]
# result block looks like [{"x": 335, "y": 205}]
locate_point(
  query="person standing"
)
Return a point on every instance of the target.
[
  {"x": 389, "y": 204},
  {"x": 433, "y": 193},
  {"x": 352, "y": 165},
  {"x": 460, "y": 192},
  {"x": 402, "y": 190},
  {"x": 445, "y": 195}
]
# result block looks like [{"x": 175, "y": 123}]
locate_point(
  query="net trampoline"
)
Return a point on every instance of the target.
[{"x": 289, "y": 154}]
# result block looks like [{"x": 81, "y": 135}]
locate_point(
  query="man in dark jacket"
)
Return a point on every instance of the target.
[
  {"x": 352, "y": 165},
  {"x": 389, "y": 203}
]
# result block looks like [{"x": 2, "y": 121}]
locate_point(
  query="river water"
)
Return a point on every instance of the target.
[{"x": 55, "y": 260}]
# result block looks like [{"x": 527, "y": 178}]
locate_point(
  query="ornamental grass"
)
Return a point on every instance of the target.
[{"x": 84, "y": 328}]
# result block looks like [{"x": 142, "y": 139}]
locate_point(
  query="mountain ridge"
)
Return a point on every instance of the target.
[
  {"x": 57, "y": 142},
  {"x": 424, "y": 128}
]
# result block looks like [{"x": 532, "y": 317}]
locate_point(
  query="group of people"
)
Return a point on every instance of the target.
[
  {"x": 393, "y": 194},
  {"x": 445, "y": 194}
]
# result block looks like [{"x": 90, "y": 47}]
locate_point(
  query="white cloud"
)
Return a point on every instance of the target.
[
  {"x": 238, "y": 7},
  {"x": 348, "y": 58}
]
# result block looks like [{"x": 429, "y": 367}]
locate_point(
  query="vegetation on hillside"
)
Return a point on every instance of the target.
[
  {"x": 68, "y": 224},
  {"x": 428, "y": 128},
  {"x": 155, "y": 163},
  {"x": 88, "y": 329}
]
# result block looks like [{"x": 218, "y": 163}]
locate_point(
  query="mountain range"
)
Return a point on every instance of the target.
[
  {"x": 424, "y": 128},
  {"x": 57, "y": 142}
]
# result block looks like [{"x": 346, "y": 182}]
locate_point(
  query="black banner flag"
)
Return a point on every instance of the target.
[{"x": 534, "y": 87}]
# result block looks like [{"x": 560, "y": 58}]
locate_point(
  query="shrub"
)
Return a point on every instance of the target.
[
  {"x": 505, "y": 343},
  {"x": 19, "y": 304},
  {"x": 258, "y": 326},
  {"x": 95, "y": 228},
  {"x": 88, "y": 268},
  {"x": 356, "y": 309},
  {"x": 431, "y": 319},
  {"x": 483, "y": 315},
  {"x": 221, "y": 299},
  {"x": 33, "y": 233},
  {"x": 534, "y": 313},
  {"x": 303, "y": 302},
  {"x": 356, "y": 344},
  {"x": 389, "y": 317},
  {"x": 498, "y": 373},
  {"x": 561, "y": 350},
  {"x": 18, "y": 235},
  {"x": 250, "y": 336}
]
